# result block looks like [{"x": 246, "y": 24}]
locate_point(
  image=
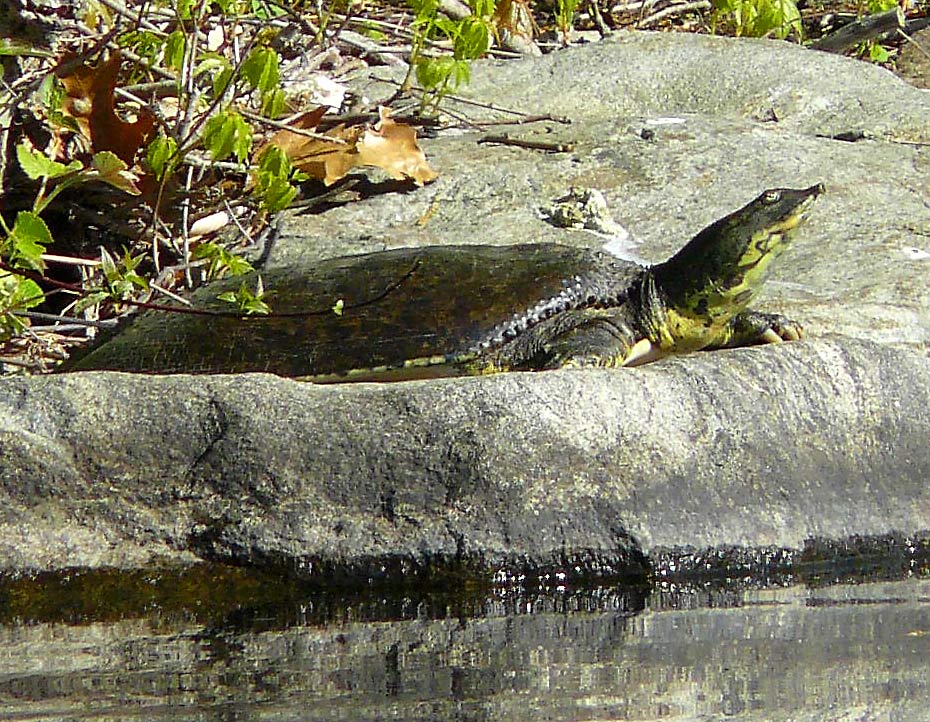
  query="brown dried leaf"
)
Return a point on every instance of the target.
[
  {"x": 289, "y": 141},
  {"x": 393, "y": 147},
  {"x": 327, "y": 161},
  {"x": 390, "y": 146},
  {"x": 89, "y": 100}
]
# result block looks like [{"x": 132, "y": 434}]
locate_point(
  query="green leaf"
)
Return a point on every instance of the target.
[
  {"x": 434, "y": 72},
  {"x": 175, "y": 46},
  {"x": 227, "y": 133},
  {"x": 275, "y": 194},
  {"x": 37, "y": 165},
  {"x": 462, "y": 73},
  {"x": 185, "y": 8},
  {"x": 17, "y": 294},
  {"x": 161, "y": 156},
  {"x": 274, "y": 103},
  {"x": 246, "y": 301},
  {"x": 108, "y": 265},
  {"x": 273, "y": 185},
  {"x": 51, "y": 92},
  {"x": 424, "y": 9},
  {"x": 143, "y": 42},
  {"x": 90, "y": 299},
  {"x": 273, "y": 180},
  {"x": 447, "y": 25},
  {"x": 221, "y": 261},
  {"x": 473, "y": 41},
  {"x": 878, "y": 54},
  {"x": 221, "y": 81},
  {"x": 29, "y": 238},
  {"x": 267, "y": 11},
  {"x": 112, "y": 170},
  {"x": 260, "y": 69},
  {"x": 274, "y": 161},
  {"x": 120, "y": 281},
  {"x": 565, "y": 13}
]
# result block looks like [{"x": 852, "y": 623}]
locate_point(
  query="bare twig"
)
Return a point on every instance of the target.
[
  {"x": 598, "y": 19},
  {"x": 69, "y": 320},
  {"x": 920, "y": 48},
  {"x": 170, "y": 294},
  {"x": 680, "y": 9},
  {"x": 525, "y": 120},
  {"x": 530, "y": 144},
  {"x": 137, "y": 17},
  {"x": 498, "y": 109},
  {"x": 284, "y": 126},
  {"x": 70, "y": 260},
  {"x": 360, "y": 42}
]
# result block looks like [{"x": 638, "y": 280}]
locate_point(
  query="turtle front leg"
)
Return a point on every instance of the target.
[
  {"x": 752, "y": 327},
  {"x": 592, "y": 338}
]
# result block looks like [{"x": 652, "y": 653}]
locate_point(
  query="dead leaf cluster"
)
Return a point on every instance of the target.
[{"x": 329, "y": 157}]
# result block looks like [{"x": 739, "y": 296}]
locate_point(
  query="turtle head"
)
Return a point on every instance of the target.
[{"x": 718, "y": 272}]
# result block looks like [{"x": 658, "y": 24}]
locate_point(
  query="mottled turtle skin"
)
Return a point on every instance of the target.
[{"x": 452, "y": 310}]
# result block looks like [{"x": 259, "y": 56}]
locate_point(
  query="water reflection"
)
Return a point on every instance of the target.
[{"x": 796, "y": 653}]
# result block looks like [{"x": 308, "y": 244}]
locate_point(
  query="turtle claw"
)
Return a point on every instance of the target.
[
  {"x": 752, "y": 327},
  {"x": 781, "y": 329},
  {"x": 769, "y": 336}
]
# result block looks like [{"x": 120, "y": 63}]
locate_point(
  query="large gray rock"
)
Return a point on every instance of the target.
[
  {"x": 573, "y": 471},
  {"x": 583, "y": 472}
]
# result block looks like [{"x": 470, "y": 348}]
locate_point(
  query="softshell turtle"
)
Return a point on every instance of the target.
[{"x": 451, "y": 310}]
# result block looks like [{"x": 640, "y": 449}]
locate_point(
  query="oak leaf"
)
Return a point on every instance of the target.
[
  {"x": 392, "y": 146},
  {"x": 89, "y": 100},
  {"x": 389, "y": 145}
]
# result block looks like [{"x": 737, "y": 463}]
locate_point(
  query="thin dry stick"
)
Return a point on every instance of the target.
[
  {"x": 185, "y": 120},
  {"x": 185, "y": 218},
  {"x": 627, "y": 7},
  {"x": 56, "y": 318},
  {"x": 549, "y": 147},
  {"x": 490, "y": 106},
  {"x": 913, "y": 42},
  {"x": 136, "y": 17},
  {"x": 284, "y": 126},
  {"x": 871, "y": 26},
  {"x": 673, "y": 10},
  {"x": 70, "y": 260},
  {"x": 242, "y": 229},
  {"x": 170, "y": 294}
]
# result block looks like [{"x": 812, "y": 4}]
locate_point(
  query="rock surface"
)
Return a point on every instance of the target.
[
  {"x": 584, "y": 472},
  {"x": 581, "y": 472}
]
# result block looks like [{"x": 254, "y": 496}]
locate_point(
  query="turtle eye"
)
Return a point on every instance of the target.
[{"x": 771, "y": 197}]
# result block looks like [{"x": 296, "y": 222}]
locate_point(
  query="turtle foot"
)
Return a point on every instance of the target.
[
  {"x": 780, "y": 328},
  {"x": 751, "y": 327}
]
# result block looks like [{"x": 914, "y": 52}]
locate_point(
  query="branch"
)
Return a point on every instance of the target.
[{"x": 867, "y": 28}]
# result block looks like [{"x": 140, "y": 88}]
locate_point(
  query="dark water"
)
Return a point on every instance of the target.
[{"x": 843, "y": 652}]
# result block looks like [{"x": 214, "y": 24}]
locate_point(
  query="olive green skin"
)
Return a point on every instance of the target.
[{"x": 449, "y": 310}]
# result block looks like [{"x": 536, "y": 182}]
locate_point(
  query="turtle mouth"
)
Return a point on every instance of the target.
[{"x": 800, "y": 211}]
